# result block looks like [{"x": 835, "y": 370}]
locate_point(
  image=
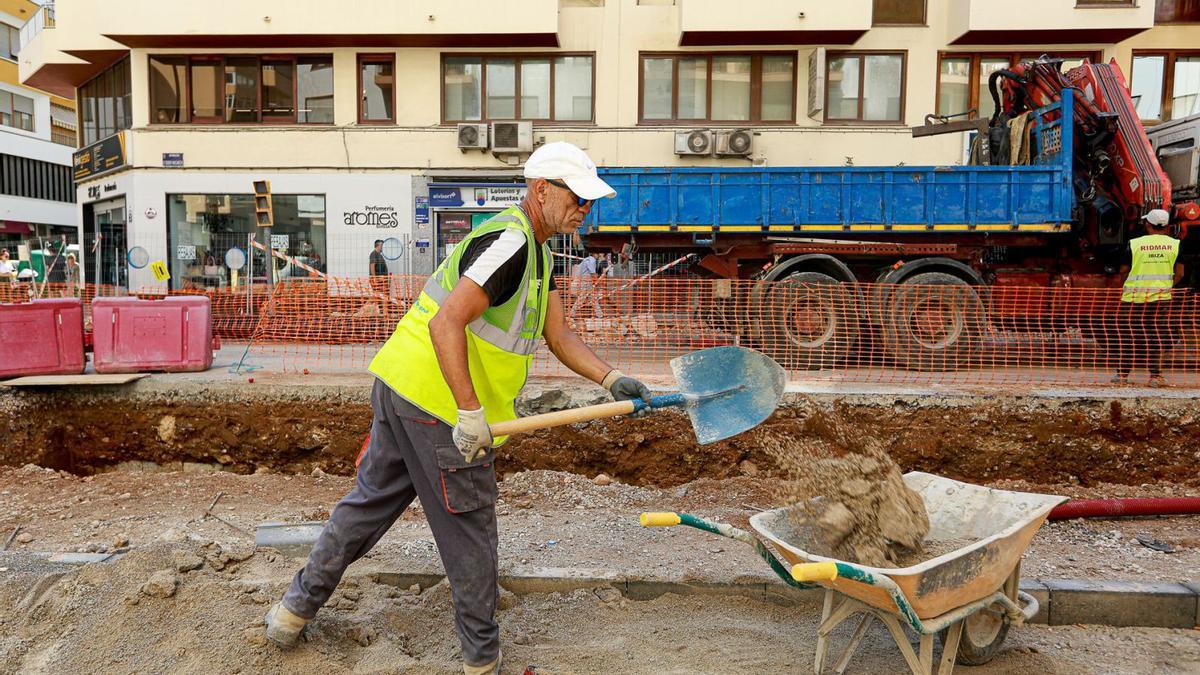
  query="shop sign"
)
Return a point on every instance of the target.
[
  {"x": 185, "y": 252},
  {"x": 421, "y": 210},
  {"x": 373, "y": 216},
  {"x": 279, "y": 242},
  {"x": 94, "y": 191},
  {"x": 105, "y": 155},
  {"x": 445, "y": 197},
  {"x": 422, "y": 243},
  {"x": 500, "y": 196}
]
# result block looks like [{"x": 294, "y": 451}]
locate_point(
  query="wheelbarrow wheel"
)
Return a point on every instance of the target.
[{"x": 982, "y": 635}]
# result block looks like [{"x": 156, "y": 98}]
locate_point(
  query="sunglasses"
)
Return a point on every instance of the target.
[{"x": 581, "y": 201}]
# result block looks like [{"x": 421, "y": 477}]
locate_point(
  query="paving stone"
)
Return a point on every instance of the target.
[{"x": 1121, "y": 603}]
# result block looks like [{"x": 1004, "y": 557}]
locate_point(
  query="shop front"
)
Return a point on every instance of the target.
[
  {"x": 458, "y": 208},
  {"x": 212, "y": 240},
  {"x": 201, "y": 227}
]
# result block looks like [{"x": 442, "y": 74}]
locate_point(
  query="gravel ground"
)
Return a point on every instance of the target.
[{"x": 547, "y": 518}]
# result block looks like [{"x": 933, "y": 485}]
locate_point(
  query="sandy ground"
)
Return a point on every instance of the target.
[{"x": 100, "y": 618}]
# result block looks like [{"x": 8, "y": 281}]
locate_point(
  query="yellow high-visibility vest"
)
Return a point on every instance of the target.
[
  {"x": 500, "y": 343},
  {"x": 1152, "y": 273}
]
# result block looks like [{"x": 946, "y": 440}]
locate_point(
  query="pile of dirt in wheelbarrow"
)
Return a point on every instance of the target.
[{"x": 848, "y": 493}]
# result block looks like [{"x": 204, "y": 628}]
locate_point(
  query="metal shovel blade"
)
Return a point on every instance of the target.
[{"x": 730, "y": 390}]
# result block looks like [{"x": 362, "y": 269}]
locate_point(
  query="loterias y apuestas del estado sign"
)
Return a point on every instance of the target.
[{"x": 101, "y": 157}]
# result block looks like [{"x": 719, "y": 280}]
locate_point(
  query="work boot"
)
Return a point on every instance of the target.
[
  {"x": 492, "y": 668},
  {"x": 283, "y": 627}
]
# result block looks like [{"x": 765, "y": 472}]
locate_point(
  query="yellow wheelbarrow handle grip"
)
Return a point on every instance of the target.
[
  {"x": 660, "y": 519},
  {"x": 821, "y": 571}
]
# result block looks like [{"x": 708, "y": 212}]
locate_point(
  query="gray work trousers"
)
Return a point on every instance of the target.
[{"x": 411, "y": 454}]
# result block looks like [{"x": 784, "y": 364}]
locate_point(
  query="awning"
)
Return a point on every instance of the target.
[{"x": 15, "y": 227}]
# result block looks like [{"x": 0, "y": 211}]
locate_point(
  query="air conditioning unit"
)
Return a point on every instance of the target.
[
  {"x": 694, "y": 142},
  {"x": 736, "y": 143},
  {"x": 512, "y": 137},
  {"x": 472, "y": 137}
]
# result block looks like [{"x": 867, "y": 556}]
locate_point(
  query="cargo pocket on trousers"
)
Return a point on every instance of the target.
[{"x": 466, "y": 486}]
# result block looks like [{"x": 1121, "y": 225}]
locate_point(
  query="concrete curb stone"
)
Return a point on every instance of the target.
[
  {"x": 1040, "y": 591},
  {"x": 1121, "y": 603}
]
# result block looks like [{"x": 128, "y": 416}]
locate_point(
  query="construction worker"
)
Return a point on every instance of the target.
[
  {"x": 454, "y": 365},
  {"x": 1144, "y": 321}
]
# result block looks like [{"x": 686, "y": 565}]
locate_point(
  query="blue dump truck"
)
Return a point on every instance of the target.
[{"x": 933, "y": 232}]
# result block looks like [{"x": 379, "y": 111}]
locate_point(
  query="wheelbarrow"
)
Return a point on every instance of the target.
[{"x": 968, "y": 597}]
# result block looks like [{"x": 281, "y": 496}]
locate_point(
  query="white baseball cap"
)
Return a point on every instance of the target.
[
  {"x": 1157, "y": 217},
  {"x": 565, "y": 162}
]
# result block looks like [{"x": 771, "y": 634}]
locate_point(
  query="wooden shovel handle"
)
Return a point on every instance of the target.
[{"x": 561, "y": 417}]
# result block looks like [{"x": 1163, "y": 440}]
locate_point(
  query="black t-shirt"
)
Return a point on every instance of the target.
[{"x": 496, "y": 261}]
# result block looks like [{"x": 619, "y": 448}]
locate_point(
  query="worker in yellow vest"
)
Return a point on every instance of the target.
[
  {"x": 1145, "y": 322},
  {"x": 453, "y": 366}
]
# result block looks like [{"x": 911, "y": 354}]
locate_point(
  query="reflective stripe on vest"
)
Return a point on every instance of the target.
[
  {"x": 500, "y": 343},
  {"x": 1152, "y": 269}
]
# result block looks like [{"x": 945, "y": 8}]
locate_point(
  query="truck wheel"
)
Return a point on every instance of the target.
[
  {"x": 933, "y": 321},
  {"x": 812, "y": 320},
  {"x": 983, "y": 634}
]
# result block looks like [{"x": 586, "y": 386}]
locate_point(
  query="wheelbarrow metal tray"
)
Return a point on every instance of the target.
[{"x": 1000, "y": 524}]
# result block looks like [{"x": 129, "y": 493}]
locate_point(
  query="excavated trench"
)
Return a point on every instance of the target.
[{"x": 1042, "y": 441}]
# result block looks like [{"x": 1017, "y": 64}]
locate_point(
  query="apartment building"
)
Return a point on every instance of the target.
[
  {"x": 37, "y": 136},
  {"x": 409, "y": 121}
]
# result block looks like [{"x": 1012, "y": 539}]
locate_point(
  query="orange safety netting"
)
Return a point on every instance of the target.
[{"x": 938, "y": 332}]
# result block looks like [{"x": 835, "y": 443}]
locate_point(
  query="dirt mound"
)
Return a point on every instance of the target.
[{"x": 848, "y": 492}]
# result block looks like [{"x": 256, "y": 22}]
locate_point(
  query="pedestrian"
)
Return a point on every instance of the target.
[
  {"x": 1145, "y": 325},
  {"x": 377, "y": 263},
  {"x": 8, "y": 271},
  {"x": 589, "y": 275},
  {"x": 378, "y": 270},
  {"x": 72, "y": 276},
  {"x": 454, "y": 365}
]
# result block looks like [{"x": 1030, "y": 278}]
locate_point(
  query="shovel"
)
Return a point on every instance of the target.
[{"x": 725, "y": 391}]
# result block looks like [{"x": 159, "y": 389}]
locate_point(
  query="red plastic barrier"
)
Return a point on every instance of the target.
[
  {"x": 132, "y": 335},
  {"x": 1115, "y": 508},
  {"x": 43, "y": 337}
]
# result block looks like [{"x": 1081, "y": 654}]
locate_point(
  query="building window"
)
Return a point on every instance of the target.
[
  {"x": 35, "y": 179},
  {"x": 899, "y": 13},
  {"x": 10, "y": 41},
  {"x": 377, "y": 89},
  {"x": 864, "y": 87},
  {"x": 16, "y": 111},
  {"x": 1177, "y": 11},
  {"x": 106, "y": 103},
  {"x": 962, "y": 84},
  {"x": 241, "y": 89},
  {"x": 721, "y": 87},
  {"x": 314, "y": 90},
  {"x": 480, "y": 88},
  {"x": 203, "y": 227},
  {"x": 1165, "y": 85}
]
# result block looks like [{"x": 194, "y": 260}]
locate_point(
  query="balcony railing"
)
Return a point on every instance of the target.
[{"x": 41, "y": 20}]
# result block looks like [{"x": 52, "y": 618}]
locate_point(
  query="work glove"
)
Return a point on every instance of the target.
[
  {"x": 625, "y": 388},
  {"x": 472, "y": 434}
]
